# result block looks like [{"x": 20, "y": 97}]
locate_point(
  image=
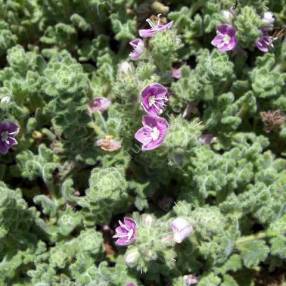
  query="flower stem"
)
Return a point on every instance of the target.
[{"x": 259, "y": 235}]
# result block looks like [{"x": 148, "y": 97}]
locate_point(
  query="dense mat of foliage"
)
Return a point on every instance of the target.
[{"x": 219, "y": 175}]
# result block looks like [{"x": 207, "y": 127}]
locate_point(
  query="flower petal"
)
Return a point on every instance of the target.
[
  {"x": 147, "y": 33},
  {"x": 143, "y": 135}
]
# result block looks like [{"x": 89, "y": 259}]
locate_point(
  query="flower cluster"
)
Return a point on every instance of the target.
[
  {"x": 226, "y": 38},
  {"x": 153, "y": 97},
  {"x": 265, "y": 42},
  {"x": 138, "y": 44},
  {"x": 153, "y": 100}
]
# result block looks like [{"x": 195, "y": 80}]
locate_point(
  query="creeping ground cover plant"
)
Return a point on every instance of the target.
[{"x": 143, "y": 143}]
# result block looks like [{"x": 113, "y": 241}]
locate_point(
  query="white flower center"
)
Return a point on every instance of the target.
[
  {"x": 152, "y": 100},
  {"x": 155, "y": 133},
  {"x": 226, "y": 39},
  {"x": 4, "y": 136}
]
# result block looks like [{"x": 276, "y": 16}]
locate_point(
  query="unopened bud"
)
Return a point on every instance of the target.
[
  {"x": 131, "y": 257},
  {"x": 228, "y": 16},
  {"x": 125, "y": 68},
  {"x": 268, "y": 20},
  {"x": 181, "y": 229},
  {"x": 147, "y": 220}
]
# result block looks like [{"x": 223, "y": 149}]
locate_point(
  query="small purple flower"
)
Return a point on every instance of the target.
[
  {"x": 206, "y": 139},
  {"x": 154, "y": 98},
  {"x": 99, "y": 104},
  {"x": 155, "y": 28},
  {"x": 8, "y": 132},
  {"x": 176, "y": 73},
  {"x": 225, "y": 40},
  {"x": 181, "y": 229},
  {"x": 153, "y": 132},
  {"x": 265, "y": 42},
  {"x": 138, "y": 49},
  {"x": 125, "y": 232}
]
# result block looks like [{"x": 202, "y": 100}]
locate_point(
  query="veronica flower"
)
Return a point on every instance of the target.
[
  {"x": 154, "y": 98},
  {"x": 131, "y": 257},
  {"x": 125, "y": 232},
  {"x": 265, "y": 42},
  {"x": 99, "y": 104},
  {"x": 108, "y": 144},
  {"x": 153, "y": 132},
  {"x": 155, "y": 28},
  {"x": 225, "y": 40},
  {"x": 138, "y": 49},
  {"x": 181, "y": 229},
  {"x": 8, "y": 132}
]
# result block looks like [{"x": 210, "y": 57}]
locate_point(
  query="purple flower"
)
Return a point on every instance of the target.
[
  {"x": 8, "y": 132},
  {"x": 155, "y": 28},
  {"x": 181, "y": 229},
  {"x": 206, "y": 139},
  {"x": 176, "y": 73},
  {"x": 138, "y": 49},
  {"x": 99, "y": 104},
  {"x": 153, "y": 132},
  {"x": 225, "y": 40},
  {"x": 265, "y": 42},
  {"x": 154, "y": 98},
  {"x": 125, "y": 232}
]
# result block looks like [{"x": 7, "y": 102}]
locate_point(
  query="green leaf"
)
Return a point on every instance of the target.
[
  {"x": 253, "y": 252},
  {"x": 278, "y": 246}
]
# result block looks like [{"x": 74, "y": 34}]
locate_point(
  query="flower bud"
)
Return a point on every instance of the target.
[
  {"x": 190, "y": 280},
  {"x": 131, "y": 257},
  {"x": 125, "y": 68},
  {"x": 99, "y": 104},
  {"x": 206, "y": 139},
  {"x": 227, "y": 15},
  {"x": 176, "y": 73},
  {"x": 147, "y": 220},
  {"x": 268, "y": 20},
  {"x": 181, "y": 229}
]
